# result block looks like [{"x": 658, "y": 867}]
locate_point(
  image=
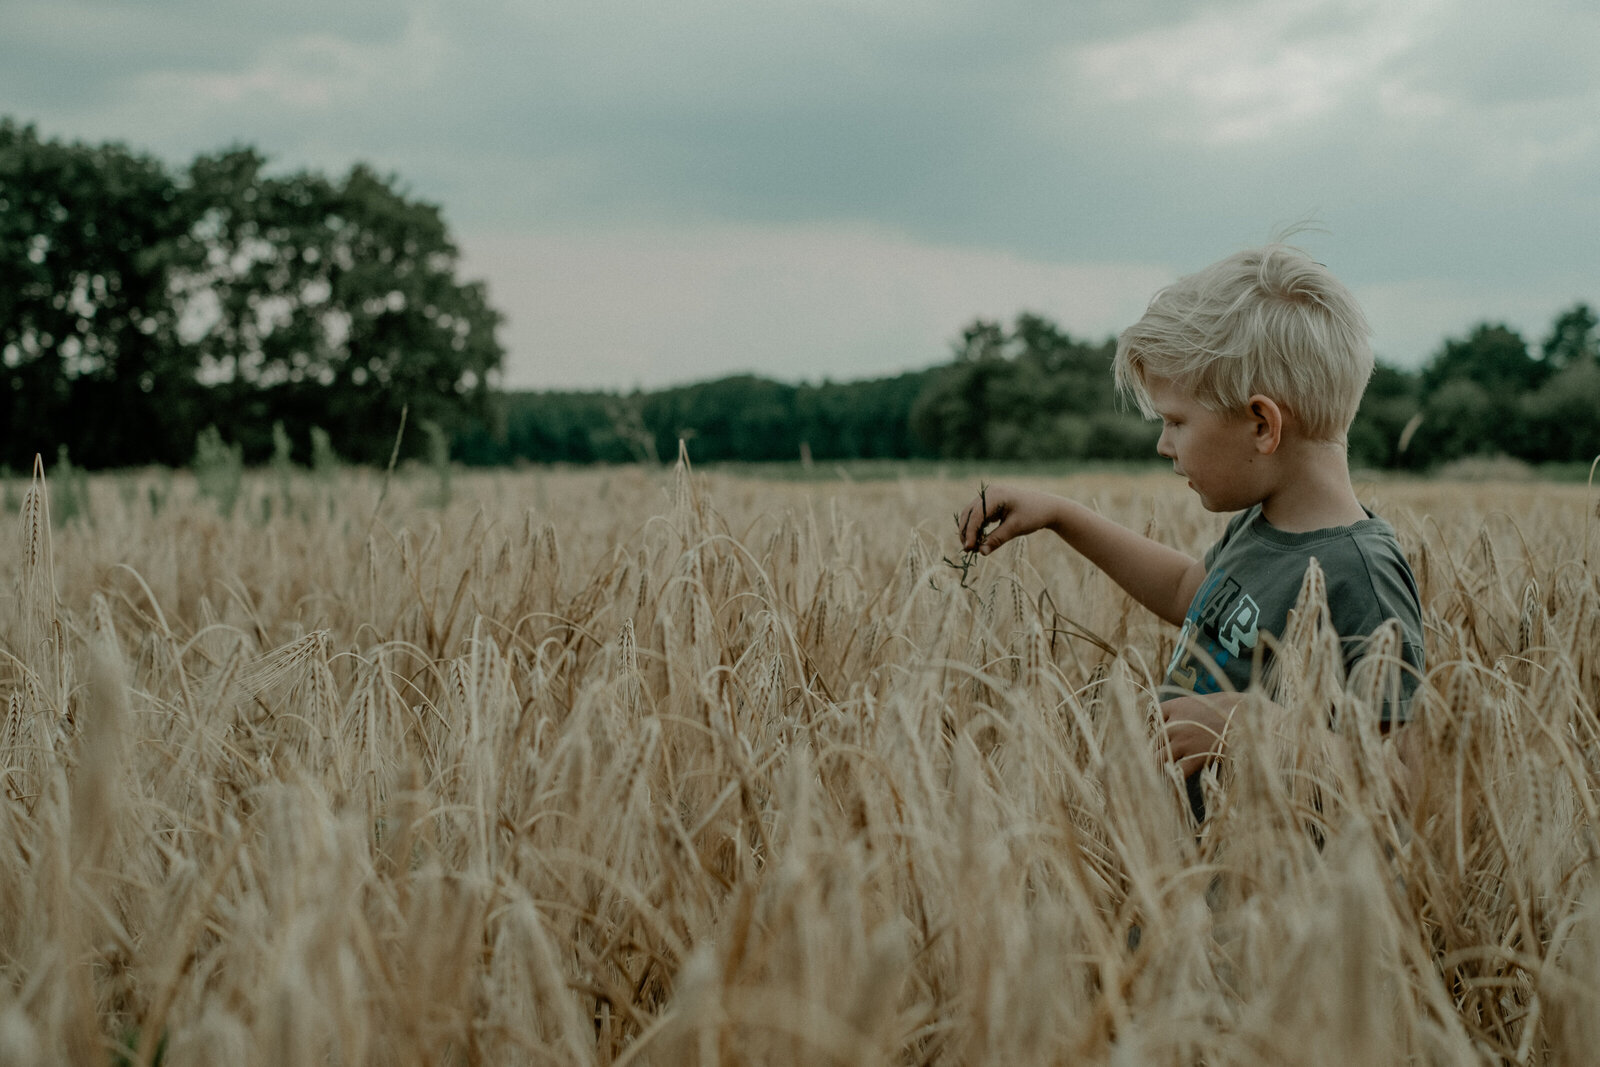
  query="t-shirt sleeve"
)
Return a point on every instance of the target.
[{"x": 1379, "y": 588}]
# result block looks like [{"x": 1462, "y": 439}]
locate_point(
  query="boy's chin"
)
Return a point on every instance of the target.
[{"x": 1214, "y": 505}]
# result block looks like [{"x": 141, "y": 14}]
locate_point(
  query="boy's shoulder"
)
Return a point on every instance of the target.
[
  {"x": 1373, "y": 529},
  {"x": 1363, "y": 553}
]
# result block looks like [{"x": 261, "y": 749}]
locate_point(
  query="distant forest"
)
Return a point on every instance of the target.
[
  {"x": 150, "y": 314},
  {"x": 1031, "y": 392}
]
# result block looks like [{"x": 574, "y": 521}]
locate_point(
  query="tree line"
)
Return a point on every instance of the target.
[
  {"x": 1029, "y": 391},
  {"x": 142, "y": 306}
]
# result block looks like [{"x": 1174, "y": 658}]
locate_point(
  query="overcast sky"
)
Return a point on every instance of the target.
[{"x": 670, "y": 190}]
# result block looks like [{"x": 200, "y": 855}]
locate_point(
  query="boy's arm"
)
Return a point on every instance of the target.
[{"x": 1156, "y": 575}]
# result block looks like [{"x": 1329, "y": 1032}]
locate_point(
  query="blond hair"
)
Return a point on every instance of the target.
[{"x": 1269, "y": 320}]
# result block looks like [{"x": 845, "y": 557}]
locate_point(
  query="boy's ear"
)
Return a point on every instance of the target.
[{"x": 1266, "y": 422}]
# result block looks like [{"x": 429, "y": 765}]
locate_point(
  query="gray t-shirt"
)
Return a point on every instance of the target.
[{"x": 1253, "y": 577}]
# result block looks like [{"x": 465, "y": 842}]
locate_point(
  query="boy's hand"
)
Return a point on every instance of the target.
[
  {"x": 1017, "y": 511},
  {"x": 1192, "y": 729}
]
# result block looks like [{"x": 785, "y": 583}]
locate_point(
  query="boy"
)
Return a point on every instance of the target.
[{"x": 1255, "y": 367}]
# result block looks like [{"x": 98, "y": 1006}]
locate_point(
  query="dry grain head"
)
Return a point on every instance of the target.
[
  {"x": 1141, "y": 801},
  {"x": 1345, "y": 946},
  {"x": 1530, "y": 622},
  {"x": 287, "y": 665},
  {"x": 528, "y": 996},
  {"x": 1489, "y": 558},
  {"x": 101, "y": 623},
  {"x": 20, "y": 1043},
  {"x": 98, "y": 785},
  {"x": 1572, "y": 988},
  {"x": 1307, "y": 663},
  {"x": 15, "y": 725},
  {"x": 323, "y": 705},
  {"x": 686, "y": 498},
  {"x": 1375, "y": 679},
  {"x": 628, "y": 650},
  {"x": 216, "y": 1036},
  {"x": 695, "y": 1019},
  {"x": 35, "y": 528},
  {"x": 373, "y": 736},
  {"x": 916, "y": 567}
]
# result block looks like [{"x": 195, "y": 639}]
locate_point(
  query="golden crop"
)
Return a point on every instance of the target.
[{"x": 648, "y": 767}]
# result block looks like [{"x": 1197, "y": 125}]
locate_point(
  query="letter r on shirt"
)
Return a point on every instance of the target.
[{"x": 1238, "y": 630}]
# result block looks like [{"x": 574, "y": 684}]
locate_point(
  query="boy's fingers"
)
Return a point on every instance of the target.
[
  {"x": 996, "y": 537},
  {"x": 1187, "y": 745},
  {"x": 1172, "y": 744},
  {"x": 967, "y": 530},
  {"x": 973, "y": 520}
]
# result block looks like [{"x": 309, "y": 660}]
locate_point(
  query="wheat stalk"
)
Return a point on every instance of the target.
[{"x": 712, "y": 772}]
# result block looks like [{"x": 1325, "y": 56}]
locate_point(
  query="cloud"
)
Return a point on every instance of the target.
[
  {"x": 1450, "y": 146},
  {"x": 1411, "y": 319},
  {"x": 800, "y": 303},
  {"x": 1238, "y": 73},
  {"x": 85, "y": 52}
]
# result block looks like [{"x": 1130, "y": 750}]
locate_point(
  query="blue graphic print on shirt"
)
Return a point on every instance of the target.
[{"x": 1222, "y": 624}]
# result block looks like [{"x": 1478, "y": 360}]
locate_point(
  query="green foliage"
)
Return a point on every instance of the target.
[
  {"x": 1485, "y": 394},
  {"x": 282, "y": 464},
  {"x": 367, "y": 312},
  {"x": 1459, "y": 418},
  {"x": 1574, "y": 338},
  {"x": 325, "y": 461},
  {"x": 741, "y": 418},
  {"x": 438, "y": 461},
  {"x": 1492, "y": 355},
  {"x": 69, "y": 491},
  {"x": 90, "y": 349},
  {"x": 1561, "y": 419},
  {"x": 1031, "y": 393},
  {"x": 218, "y": 469},
  {"x": 138, "y": 305},
  {"x": 1387, "y": 406},
  {"x": 952, "y": 415},
  {"x": 126, "y": 1052},
  {"x": 1028, "y": 393},
  {"x": 160, "y": 492},
  {"x": 10, "y": 498}
]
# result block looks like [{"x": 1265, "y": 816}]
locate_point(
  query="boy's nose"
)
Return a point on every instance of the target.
[{"x": 1164, "y": 447}]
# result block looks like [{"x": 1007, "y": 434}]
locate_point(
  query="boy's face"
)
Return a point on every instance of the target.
[{"x": 1216, "y": 452}]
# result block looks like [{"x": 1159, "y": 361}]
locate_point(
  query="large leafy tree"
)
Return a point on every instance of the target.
[
  {"x": 952, "y": 414},
  {"x": 138, "y": 306},
  {"x": 1574, "y": 338},
  {"x": 315, "y": 302},
  {"x": 1562, "y": 417},
  {"x": 1031, "y": 392},
  {"x": 1493, "y": 355},
  {"x": 89, "y": 350},
  {"x": 1469, "y": 394},
  {"x": 1387, "y": 407}
]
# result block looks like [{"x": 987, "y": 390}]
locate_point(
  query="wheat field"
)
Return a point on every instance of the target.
[{"x": 655, "y": 767}]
